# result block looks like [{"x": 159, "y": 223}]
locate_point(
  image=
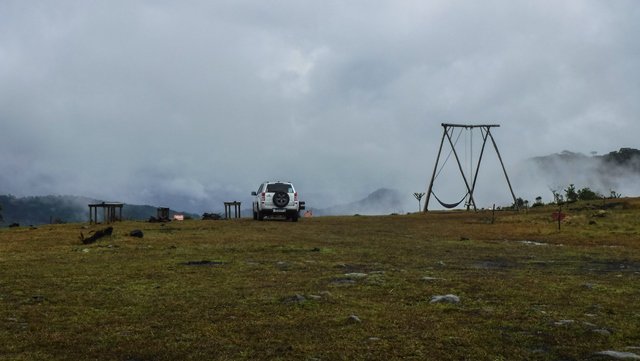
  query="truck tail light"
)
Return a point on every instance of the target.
[
  {"x": 295, "y": 196},
  {"x": 262, "y": 196}
]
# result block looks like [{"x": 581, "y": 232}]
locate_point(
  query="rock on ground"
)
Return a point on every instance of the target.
[
  {"x": 619, "y": 355},
  {"x": 136, "y": 233},
  {"x": 445, "y": 299}
]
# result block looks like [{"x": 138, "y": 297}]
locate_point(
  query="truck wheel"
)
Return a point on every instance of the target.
[
  {"x": 255, "y": 215},
  {"x": 280, "y": 199},
  {"x": 294, "y": 217},
  {"x": 260, "y": 216}
]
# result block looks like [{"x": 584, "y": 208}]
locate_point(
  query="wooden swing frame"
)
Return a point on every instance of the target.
[{"x": 448, "y": 130}]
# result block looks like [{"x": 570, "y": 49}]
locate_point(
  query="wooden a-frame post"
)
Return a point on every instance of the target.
[{"x": 486, "y": 133}]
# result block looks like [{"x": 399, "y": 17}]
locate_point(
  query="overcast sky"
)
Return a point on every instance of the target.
[{"x": 189, "y": 103}]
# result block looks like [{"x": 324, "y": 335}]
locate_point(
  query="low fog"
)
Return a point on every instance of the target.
[{"x": 194, "y": 103}]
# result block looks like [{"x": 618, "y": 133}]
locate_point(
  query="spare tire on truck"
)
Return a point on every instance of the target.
[{"x": 280, "y": 199}]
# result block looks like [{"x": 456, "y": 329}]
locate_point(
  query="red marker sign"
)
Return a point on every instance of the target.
[{"x": 558, "y": 216}]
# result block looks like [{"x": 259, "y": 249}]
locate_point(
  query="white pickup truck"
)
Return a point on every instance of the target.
[{"x": 276, "y": 198}]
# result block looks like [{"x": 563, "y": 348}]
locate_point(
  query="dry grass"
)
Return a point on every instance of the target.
[{"x": 281, "y": 290}]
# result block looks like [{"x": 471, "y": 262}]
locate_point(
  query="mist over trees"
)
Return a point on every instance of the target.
[
  {"x": 62, "y": 209},
  {"x": 575, "y": 176},
  {"x": 565, "y": 176}
]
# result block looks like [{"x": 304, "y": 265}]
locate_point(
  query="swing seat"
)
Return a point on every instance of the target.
[{"x": 449, "y": 205}]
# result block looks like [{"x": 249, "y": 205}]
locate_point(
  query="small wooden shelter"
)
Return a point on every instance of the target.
[
  {"x": 108, "y": 212},
  {"x": 163, "y": 213},
  {"x": 236, "y": 209}
]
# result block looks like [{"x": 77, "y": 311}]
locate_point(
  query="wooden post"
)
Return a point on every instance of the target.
[
  {"x": 503, "y": 168},
  {"x": 559, "y": 217},
  {"x": 435, "y": 169},
  {"x": 236, "y": 209},
  {"x": 493, "y": 214}
]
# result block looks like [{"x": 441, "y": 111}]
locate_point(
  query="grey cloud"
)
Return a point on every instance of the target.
[{"x": 195, "y": 102}]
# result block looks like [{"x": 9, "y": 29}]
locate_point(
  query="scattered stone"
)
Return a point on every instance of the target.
[
  {"x": 326, "y": 294},
  {"x": 136, "y": 233},
  {"x": 427, "y": 279},
  {"x": 464, "y": 238},
  {"x": 374, "y": 339},
  {"x": 354, "y": 319},
  {"x": 601, "y": 331},
  {"x": 342, "y": 281},
  {"x": 440, "y": 263},
  {"x": 588, "y": 286},
  {"x": 619, "y": 355},
  {"x": 153, "y": 219},
  {"x": 600, "y": 214},
  {"x": 494, "y": 264},
  {"x": 316, "y": 249},
  {"x": 592, "y": 222},
  {"x": 85, "y": 250},
  {"x": 211, "y": 216},
  {"x": 563, "y": 322},
  {"x": 356, "y": 275},
  {"x": 202, "y": 263},
  {"x": 534, "y": 243},
  {"x": 445, "y": 299},
  {"x": 96, "y": 235},
  {"x": 297, "y": 298},
  {"x": 315, "y": 297}
]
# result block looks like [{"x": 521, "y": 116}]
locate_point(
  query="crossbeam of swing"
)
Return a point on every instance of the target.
[{"x": 448, "y": 125}]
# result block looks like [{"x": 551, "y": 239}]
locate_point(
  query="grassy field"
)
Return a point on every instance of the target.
[{"x": 331, "y": 288}]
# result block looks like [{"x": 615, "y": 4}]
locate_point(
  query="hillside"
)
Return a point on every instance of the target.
[
  {"x": 61, "y": 209},
  {"x": 329, "y": 288}
]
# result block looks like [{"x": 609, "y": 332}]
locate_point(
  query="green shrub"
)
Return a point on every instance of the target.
[
  {"x": 586, "y": 194},
  {"x": 571, "y": 194}
]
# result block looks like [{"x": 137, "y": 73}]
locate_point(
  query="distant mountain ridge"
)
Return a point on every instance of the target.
[
  {"x": 381, "y": 201},
  {"x": 37, "y": 210}
]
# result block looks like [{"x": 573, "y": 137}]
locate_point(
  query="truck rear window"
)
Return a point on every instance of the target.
[{"x": 279, "y": 187}]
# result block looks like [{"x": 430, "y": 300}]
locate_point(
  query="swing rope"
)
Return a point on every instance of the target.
[{"x": 449, "y": 155}]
